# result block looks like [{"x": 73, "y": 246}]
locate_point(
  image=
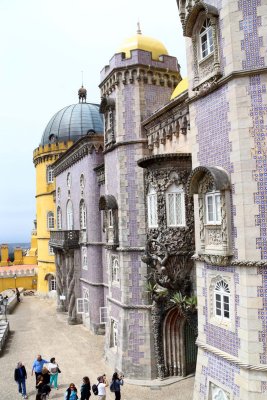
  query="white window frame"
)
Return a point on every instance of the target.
[
  {"x": 52, "y": 284},
  {"x": 114, "y": 333},
  {"x": 70, "y": 216},
  {"x": 221, "y": 306},
  {"x": 83, "y": 215},
  {"x": 80, "y": 305},
  {"x": 49, "y": 174},
  {"x": 115, "y": 271},
  {"x": 175, "y": 192},
  {"x": 152, "y": 208},
  {"x": 103, "y": 315},
  {"x": 59, "y": 218},
  {"x": 84, "y": 258},
  {"x": 216, "y": 216},
  {"x": 50, "y": 220},
  {"x": 50, "y": 250},
  {"x": 209, "y": 39}
]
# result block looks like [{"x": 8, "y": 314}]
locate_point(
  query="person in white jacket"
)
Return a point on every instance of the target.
[{"x": 53, "y": 371}]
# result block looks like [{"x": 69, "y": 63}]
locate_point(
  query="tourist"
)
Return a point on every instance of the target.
[
  {"x": 46, "y": 376},
  {"x": 38, "y": 366},
  {"x": 85, "y": 389},
  {"x": 116, "y": 384},
  {"x": 20, "y": 376},
  {"x": 43, "y": 389},
  {"x": 54, "y": 371},
  {"x": 71, "y": 393},
  {"x": 102, "y": 388},
  {"x": 18, "y": 295}
]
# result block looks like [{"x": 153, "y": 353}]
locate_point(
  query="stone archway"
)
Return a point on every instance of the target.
[{"x": 178, "y": 345}]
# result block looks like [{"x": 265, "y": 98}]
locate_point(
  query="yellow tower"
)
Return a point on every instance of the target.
[
  {"x": 43, "y": 157},
  {"x": 65, "y": 127}
]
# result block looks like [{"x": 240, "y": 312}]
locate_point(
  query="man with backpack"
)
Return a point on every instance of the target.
[{"x": 115, "y": 386}]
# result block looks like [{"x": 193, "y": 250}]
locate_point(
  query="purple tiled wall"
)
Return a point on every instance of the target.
[{"x": 221, "y": 371}]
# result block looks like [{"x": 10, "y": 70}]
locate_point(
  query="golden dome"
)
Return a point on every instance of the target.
[
  {"x": 142, "y": 42},
  {"x": 180, "y": 88}
]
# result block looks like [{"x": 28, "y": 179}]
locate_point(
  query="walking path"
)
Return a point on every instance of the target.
[{"x": 36, "y": 328}]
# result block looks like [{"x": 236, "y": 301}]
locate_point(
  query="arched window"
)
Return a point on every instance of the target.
[
  {"x": 115, "y": 270},
  {"x": 82, "y": 182},
  {"x": 152, "y": 212},
  {"x": 175, "y": 205},
  {"x": 83, "y": 215},
  {"x": 59, "y": 218},
  {"x": 206, "y": 39},
  {"x": 69, "y": 180},
  {"x": 222, "y": 300},
  {"x": 84, "y": 258},
  {"x": 50, "y": 220},
  {"x": 49, "y": 175},
  {"x": 213, "y": 208},
  {"x": 70, "y": 221}
]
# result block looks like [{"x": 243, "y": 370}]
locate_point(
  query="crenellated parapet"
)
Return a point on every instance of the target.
[
  {"x": 50, "y": 152},
  {"x": 139, "y": 67}
]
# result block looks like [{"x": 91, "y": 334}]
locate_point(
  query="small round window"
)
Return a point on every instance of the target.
[{"x": 69, "y": 180}]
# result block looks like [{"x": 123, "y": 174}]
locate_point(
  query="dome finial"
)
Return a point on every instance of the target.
[
  {"x": 139, "y": 32},
  {"x": 82, "y": 92}
]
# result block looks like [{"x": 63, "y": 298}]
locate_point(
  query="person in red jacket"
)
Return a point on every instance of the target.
[{"x": 20, "y": 376}]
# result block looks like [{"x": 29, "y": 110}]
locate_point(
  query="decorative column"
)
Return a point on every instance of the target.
[{"x": 59, "y": 281}]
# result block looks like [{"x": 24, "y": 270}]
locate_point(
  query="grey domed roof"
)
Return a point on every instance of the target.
[{"x": 73, "y": 122}]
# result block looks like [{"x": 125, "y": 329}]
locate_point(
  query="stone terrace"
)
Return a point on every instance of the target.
[{"x": 36, "y": 328}]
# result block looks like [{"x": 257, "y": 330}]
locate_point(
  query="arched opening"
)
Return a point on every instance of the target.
[{"x": 180, "y": 351}]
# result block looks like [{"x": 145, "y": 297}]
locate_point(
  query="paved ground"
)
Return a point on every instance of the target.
[{"x": 36, "y": 328}]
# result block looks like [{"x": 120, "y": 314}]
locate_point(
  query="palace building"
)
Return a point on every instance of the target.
[{"x": 167, "y": 201}]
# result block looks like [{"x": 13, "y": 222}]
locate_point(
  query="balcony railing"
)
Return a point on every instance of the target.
[{"x": 64, "y": 239}]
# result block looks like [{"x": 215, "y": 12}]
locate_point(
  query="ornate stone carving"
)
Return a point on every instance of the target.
[
  {"x": 214, "y": 237},
  {"x": 71, "y": 290},
  {"x": 215, "y": 259},
  {"x": 59, "y": 280}
]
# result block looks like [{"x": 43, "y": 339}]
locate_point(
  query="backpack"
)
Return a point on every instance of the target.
[
  {"x": 112, "y": 387},
  {"x": 95, "y": 389}
]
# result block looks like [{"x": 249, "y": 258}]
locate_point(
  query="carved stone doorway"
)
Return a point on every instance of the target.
[{"x": 178, "y": 344}]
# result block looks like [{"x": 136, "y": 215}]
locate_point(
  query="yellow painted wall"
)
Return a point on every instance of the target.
[
  {"x": 27, "y": 282},
  {"x": 43, "y": 157}
]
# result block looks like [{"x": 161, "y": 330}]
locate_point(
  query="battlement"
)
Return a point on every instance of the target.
[
  {"x": 139, "y": 57},
  {"x": 51, "y": 148}
]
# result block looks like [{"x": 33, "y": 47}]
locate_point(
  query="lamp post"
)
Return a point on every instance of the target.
[{"x": 15, "y": 277}]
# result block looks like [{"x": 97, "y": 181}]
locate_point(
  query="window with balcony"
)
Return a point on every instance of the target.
[
  {"x": 152, "y": 211},
  {"x": 175, "y": 206},
  {"x": 70, "y": 219},
  {"x": 59, "y": 218},
  {"x": 206, "y": 38},
  {"x": 213, "y": 208}
]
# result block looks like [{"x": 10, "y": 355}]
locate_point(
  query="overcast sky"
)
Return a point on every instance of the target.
[{"x": 44, "y": 46}]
